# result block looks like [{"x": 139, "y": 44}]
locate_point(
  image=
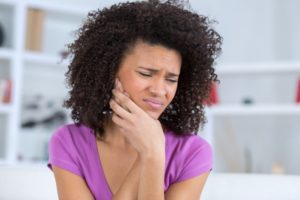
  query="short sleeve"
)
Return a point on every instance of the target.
[
  {"x": 197, "y": 161},
  {"x": 62, "y": 152}
]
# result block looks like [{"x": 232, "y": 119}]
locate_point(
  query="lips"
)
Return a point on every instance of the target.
[{"x": 153, "y": 103}]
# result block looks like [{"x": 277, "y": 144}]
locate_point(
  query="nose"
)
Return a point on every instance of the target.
[{"x": 158, "y": 87}]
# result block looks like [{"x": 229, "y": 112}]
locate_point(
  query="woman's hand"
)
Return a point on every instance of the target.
[{"x": 144, "y": 133}]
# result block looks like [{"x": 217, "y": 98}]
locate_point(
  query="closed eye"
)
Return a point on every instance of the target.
[
  {"x": 143, "y": 74},
  {"x": 172, "y": 81},
  {"x": 150, "y": 75}
]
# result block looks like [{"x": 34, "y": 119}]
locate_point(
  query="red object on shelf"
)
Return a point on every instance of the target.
[
  {"x": 298, "y": 92},
  {"x": 7, "y": 91},
  {"x": 213, "y": 96}
]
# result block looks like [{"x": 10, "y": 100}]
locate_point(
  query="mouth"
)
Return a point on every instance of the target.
[{"x": 154, "y": 104}]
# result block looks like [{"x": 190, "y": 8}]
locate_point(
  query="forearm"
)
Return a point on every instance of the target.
[
  {"x": 129, "y": 188},
  {"x": 151, "y": 185}
]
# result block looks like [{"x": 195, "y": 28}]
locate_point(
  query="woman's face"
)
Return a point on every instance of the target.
[{"x": 149, "y": 74}]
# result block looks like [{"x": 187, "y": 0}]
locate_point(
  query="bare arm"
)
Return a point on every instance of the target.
[
  {"x": 188, "y": 189},
  {"x": 70, "y": 186},
  {"x": 152, "y": 178}
]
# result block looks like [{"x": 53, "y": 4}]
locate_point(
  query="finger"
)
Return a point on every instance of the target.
[
  {"x": 114, "y": 97},
  {"x": 118, "y": 121},
  {"x": 126, "y": 102},
  {"x": 119, "y": 101},
  {"x": 119, "y": 110}
]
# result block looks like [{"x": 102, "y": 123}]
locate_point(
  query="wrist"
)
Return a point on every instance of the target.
[{"x": 151, "y": 156}]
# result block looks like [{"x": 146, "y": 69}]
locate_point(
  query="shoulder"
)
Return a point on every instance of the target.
[
  {"x": 188, "y": 155},
  {"x": 67, "y": 147},
  {"x": 70, "y": 140},
  {"x": 71, "y": 133},
  {"x": 187, "y": 143}
]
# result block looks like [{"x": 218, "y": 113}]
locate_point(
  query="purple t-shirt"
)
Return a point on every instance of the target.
[{"x": 75, "y": 149}]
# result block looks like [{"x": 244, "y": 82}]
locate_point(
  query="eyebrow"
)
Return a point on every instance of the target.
[{"x": 156, "y": 70}]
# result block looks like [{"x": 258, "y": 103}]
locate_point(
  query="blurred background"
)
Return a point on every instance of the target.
[{"x": 253, "y": 124}]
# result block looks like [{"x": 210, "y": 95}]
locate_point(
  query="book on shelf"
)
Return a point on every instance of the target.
[
  {"x": 34, "y": 29},
  {"x": 5, "y": 91}
]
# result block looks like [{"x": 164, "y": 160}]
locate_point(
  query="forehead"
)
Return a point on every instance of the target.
[{"x": 154, "y": 56}]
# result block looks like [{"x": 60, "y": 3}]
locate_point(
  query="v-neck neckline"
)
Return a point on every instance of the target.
[{"x": 101, "y": 171}]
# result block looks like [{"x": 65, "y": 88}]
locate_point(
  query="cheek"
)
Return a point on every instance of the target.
[{"x": 133, "y": 85}]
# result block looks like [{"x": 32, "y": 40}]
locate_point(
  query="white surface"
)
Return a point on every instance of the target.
[
  {"x": 27, "y": 183},
  {"x": 251, "y": 187},
  {"x": 37, "y": 183}
]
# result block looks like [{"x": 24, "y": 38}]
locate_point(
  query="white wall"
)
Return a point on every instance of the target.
[
  {"x": 288, "y": 29},
  {"x": 257, "y": 30}
]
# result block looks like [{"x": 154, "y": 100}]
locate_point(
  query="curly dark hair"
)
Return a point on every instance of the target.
[{"x": 109, "y": 33}]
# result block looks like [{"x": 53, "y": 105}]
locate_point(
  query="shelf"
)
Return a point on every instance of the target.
[
  {"x": 6, "y": 53},
  {"x": 31, "y": 164},
  {"x": 5, "y": 108},
  {"x": 255, "y": 110},
  {"x": 44, "y": 59},
  {"x": 23, "y": 164},
  {"x": 258, "y": 68},
  {"x": 62, "y": 7},
  {"x": 8, "y": 2}
]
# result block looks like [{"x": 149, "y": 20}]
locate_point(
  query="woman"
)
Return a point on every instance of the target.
[{"x": 138, "y": 78}]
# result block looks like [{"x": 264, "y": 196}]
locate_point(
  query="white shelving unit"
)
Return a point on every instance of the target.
[
  {"x": 45, "y": 59},
  {"x": 255, "y": 125},
  {"x": 34, "y": 73}
]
